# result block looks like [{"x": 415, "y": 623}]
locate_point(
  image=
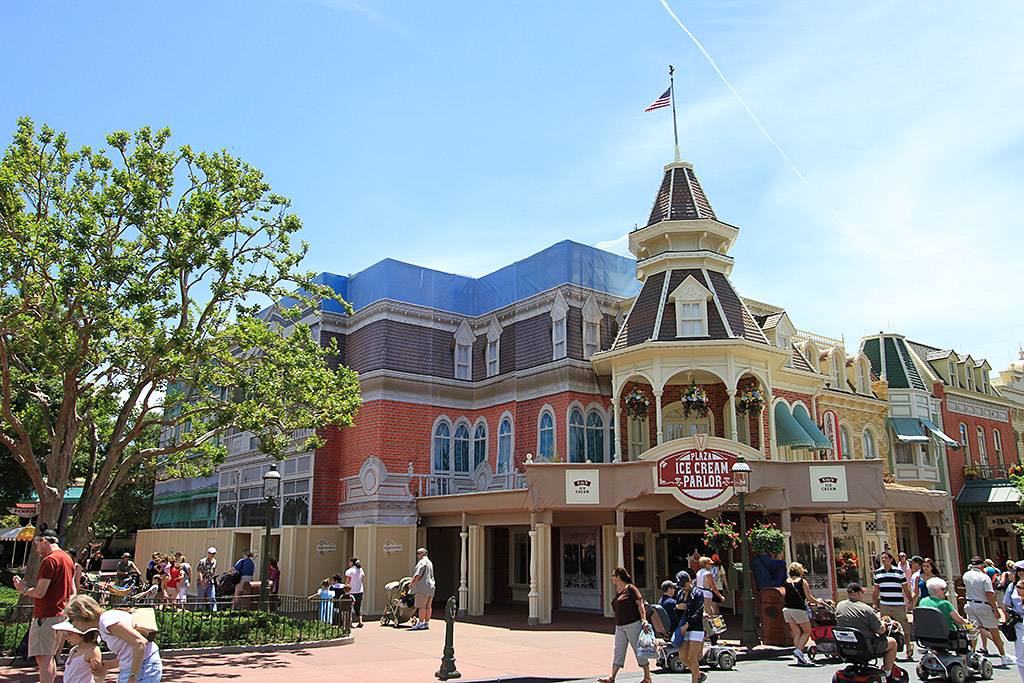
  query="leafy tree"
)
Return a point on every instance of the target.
[{"x": 133, "y": 282}]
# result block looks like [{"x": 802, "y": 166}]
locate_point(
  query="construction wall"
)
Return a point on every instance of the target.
[{"x": 305, "y": 554}]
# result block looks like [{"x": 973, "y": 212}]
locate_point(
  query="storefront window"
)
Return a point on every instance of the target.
[
  {"x": 295, "y": 510},
  {"x": 227, "y": 515}
]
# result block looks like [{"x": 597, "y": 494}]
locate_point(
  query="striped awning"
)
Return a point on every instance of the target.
[
  {"x": 9, "y": 534},
  {"x": 788, "y": 431},
  {"x": 821, "y": 442},
  {"x": 907, "y": 429},
  {"x": 939, "y": 434}
]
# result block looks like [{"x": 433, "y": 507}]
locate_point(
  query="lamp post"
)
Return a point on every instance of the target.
[
  {"x": 271, "y": 490},
  {"x": 741, "y": 487}
]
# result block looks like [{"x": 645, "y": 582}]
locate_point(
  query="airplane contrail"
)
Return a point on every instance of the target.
[{"x": 757, "y": 121}]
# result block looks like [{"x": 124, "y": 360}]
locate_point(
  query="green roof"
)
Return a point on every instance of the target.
[
  {"x": 872, "y": 349},
  {"x": 72, "y": 494},
  {"x": 915, "y": 379},
  {"x": 894, "y": 373}
]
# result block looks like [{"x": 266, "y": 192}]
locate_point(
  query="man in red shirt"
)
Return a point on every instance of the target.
[{"x": 55, "y": 584}]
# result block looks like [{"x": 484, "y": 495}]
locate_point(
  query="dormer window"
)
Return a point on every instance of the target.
[
  {"x": 591, "y": 328},
  {"x": 493, "y": 339},
  {"x": 865, "y": 377},
  {"x": 952, "y": 374},
  {"x": 464, "y": 339},
  {"x": 784, "y": 341},
  {"x": 691, "y": 303},
  {"x": 970, "y": 378},
  {"x": 559, "y": 311}
]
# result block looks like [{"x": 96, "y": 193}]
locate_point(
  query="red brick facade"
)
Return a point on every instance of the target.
[{"x": 957, "y": 458}]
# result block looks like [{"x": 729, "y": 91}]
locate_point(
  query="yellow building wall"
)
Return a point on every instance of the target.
[
  {"x": 858, "y": 415},
  {"x": 387, "y": 553}
]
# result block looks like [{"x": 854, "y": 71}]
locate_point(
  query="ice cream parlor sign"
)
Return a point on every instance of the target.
[{"x": 700, "y": 478}]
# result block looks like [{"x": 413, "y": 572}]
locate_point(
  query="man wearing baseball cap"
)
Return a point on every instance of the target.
[
  {"x": 55, "y": 585},
  {"x": 981, "y": 606},
  {"x": 207, "y": 569}
]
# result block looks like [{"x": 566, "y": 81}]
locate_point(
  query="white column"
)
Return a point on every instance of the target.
[
  {"x": 464, "y": 576},
  {"x": 772, "y": 439},
  {"x": 616, "y": 456},
  {"x": 947, "y": 558},
  {"x": 880, "y": 531},
  {"x": 934, "y": 530},
  {"x": 657, "y": 405},
  {"x": 620, "y": 536},
  {"x": 787, "y": 531},
  {"x": 730, "y": 409},
  {"x": 532, "y": 596},
  {"x": 477, "y": 568}
]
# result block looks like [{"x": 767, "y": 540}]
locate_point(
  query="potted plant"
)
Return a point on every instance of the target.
[
  {"x": 637, "y": 403},
  {"x": 694, "y": 400},
  {"x": 766, "y": 538},
  {"x": 720, "y": 535},
  {"x": 750, "y": 401},
  {"x": 972, "y": 472}
]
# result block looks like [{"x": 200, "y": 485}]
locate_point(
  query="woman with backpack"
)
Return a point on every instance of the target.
[{"x": 630, "y": 620}]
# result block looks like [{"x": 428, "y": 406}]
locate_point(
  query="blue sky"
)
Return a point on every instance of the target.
[{"x": 465, "y": 135}]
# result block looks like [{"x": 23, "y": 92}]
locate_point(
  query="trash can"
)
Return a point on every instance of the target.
[{"x": 773, "y": 627}]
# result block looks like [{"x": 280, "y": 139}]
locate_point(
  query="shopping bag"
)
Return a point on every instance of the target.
[
  {"x": 647, "y": 643},
  {"x": 144, "y": 621}
]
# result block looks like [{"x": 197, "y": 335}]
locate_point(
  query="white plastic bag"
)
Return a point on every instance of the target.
[{"x": 647, "y": 643}]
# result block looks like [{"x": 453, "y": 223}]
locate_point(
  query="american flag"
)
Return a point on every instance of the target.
[{"x": 663, "y": 101}]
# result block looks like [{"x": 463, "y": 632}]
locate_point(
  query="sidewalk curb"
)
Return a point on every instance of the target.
[{"x": 242, "y": 649}]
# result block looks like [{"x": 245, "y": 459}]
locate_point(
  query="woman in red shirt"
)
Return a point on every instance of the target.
[{"x": 171, "y": 585}]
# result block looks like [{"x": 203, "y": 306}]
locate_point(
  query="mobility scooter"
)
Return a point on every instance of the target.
[
  {"x": 947, "y": 655},
  {"x": 862, "y": 657}
]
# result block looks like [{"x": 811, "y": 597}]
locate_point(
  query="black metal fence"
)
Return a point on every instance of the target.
[{"x": 291, "y": 619}]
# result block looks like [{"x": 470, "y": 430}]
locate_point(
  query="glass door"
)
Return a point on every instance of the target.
[{"x": 581, "y": 579}]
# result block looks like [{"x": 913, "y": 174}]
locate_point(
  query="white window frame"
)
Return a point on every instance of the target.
[
  {"x": 504, "y": 460},
  {"x": 464, "y": 339},
  {"x": 435, "y": 440},
  {"x": 480, "y": 424},
  {"x": 540, "y": 432},
  {"x": 784, "y": 341},
  {"x": 965, "y": 443},
  {"x": 982, "y": 448},
  {"x": 952, "y": 374},
  {"x": 460, "y": 425},
  {"x": 691, "y": 293},
  {"x": 845, "y": 443},
  {"x": 591, "y": 328},
  {"x": 492, "y": 358},
  {"x": 576, "y": 410},
  {"x": 559, "y": 348},
  {"x": 969, "y": 374},
  {"x": 997, "y": 445},
  {"x": 602, "y": 431},
  {"x": 868, "y": 438},
  {"x": 638, "y": 436}
]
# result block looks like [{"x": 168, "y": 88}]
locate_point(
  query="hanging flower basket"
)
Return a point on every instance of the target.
[
  {"x": 1015, "y": 470},
  {"x": 972, "y": 472},
  {"x": 766, "y": 538},
  {"x": 750, "y": 401},
  {"x": 637, "y": 403},
  {"x": 694, "y": 400},
  {"x": 721, "y": 535}
]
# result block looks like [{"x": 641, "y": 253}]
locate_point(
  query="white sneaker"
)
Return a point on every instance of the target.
[{"x": 1008, "y": 660}]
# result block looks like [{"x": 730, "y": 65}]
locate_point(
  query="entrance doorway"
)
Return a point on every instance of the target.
[{"x": 581, "y": 573}]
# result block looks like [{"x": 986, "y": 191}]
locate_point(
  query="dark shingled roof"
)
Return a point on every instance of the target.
[
  {"x": 799, "y": 362},
  {"x": 639, "y": 324},
  {"x": 740, "y": 321},
  {"x": 680, "y": 197}
]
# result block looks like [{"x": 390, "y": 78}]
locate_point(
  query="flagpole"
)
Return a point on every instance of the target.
[{"x": 672, "y": 97}]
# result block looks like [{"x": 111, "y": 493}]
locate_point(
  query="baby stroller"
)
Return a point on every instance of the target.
[
  {"x": 398, "y": 603},
  {"x": 823, "y": 620},
  {"x": 949, "y": 655},
  {"x": 226, "y": 583}
]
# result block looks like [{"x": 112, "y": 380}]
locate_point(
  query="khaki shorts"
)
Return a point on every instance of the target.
[
  {"x": 795, "y": 616},
  {"x": 42, "y": 639},
  {"x": 423, "y": 600},
  {"x": 897, "y": 613},
  {"x": 981, "y": 615}
]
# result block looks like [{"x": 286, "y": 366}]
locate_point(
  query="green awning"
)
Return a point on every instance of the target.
[
  {"x": 821, "y": 442},
  {"x": 985, "y": 492},
  {"x": 788, "y": 431},
  {"x": 907, "y": 429},
  {"x": 939, "y": 434}
]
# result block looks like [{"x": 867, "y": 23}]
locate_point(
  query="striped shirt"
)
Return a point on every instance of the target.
[{"x": 890, "y": 585}]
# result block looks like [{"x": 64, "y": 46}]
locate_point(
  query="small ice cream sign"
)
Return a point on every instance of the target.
[
  {"x": 582, "y": 487},
  {"x": 828, "y": 483}
]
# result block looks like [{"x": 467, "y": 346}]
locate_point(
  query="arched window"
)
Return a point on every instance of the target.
[
  {"x": 965, "y": 443},
  {"x": 546, "y": 436},
  {"x": 595, "y": 437},
  {"x": 982, "y": 451},
  {"x": 442, "y": 447},
  {"x": 870, "y": 451},
  {"x": 462, "y": 449},
  {"x": 844, "y": 443},
  {"x": 577, "y": 437},
  {"x": 504, "y": 446},
  {"x": 997, "y": 445},
  {"x": 479, "y": 445}
]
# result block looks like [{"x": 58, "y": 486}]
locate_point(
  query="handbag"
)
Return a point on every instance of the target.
[
  {"x": 646, "y": 644},
  {"x": 1009, "y": 627}
]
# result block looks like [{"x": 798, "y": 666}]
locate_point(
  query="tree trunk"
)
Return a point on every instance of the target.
[{"x": 80, "y": 531}]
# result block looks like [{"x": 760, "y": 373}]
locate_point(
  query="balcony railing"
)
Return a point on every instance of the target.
[
  {"x": 423, "y": 485},
  {"x": 972, "y": 471}
]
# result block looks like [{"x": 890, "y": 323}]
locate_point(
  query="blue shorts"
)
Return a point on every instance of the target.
[{"x": 151, "y": 671}]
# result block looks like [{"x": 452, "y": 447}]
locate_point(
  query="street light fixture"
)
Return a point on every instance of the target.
[
  {"x": 271, "y": 492},
  {"x": 741, "y": 487}
]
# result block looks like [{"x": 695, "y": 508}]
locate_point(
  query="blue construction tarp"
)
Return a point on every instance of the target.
[{"x": 566, "y": 262}]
